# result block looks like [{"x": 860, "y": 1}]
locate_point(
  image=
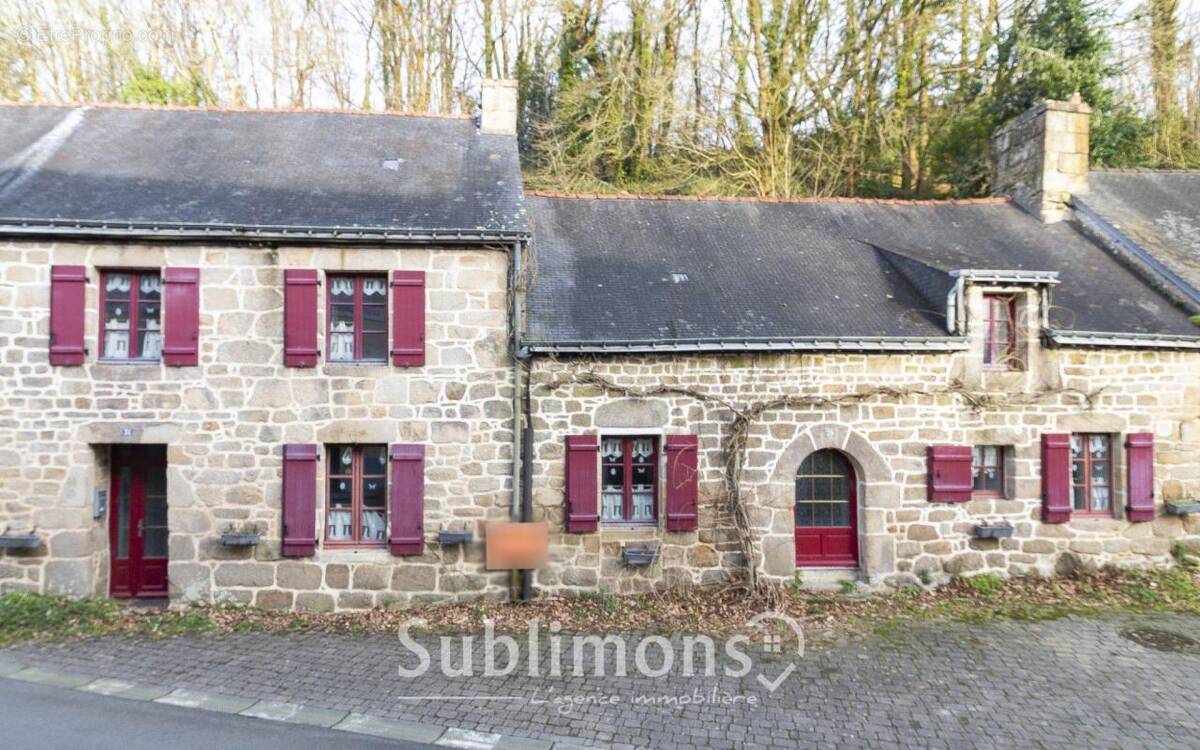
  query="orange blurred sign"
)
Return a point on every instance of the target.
[{"x": 516, "y": 546}]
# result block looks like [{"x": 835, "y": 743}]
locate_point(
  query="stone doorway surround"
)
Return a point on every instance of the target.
[{"x": 876, "y": 487}]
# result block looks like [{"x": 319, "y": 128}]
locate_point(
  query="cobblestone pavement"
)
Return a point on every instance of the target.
[{"x": 1087, "y": 683}]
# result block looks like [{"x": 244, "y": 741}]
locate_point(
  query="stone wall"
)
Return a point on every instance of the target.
[
  {"x": 903, "y": 537},
  {"x": 1040, "y": 158},
  {"x": 225, "y": 423}
]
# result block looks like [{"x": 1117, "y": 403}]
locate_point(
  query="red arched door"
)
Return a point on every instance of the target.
[{"x": 826, "y": 512}]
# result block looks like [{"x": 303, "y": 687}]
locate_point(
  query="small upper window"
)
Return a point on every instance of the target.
[
  {"x": 1091, "y": 473},
  {"x": 131, "y": 308},
  {"x": 357, "y": 500},
  {"x": 358, "y": 330},
  {"x": 628, "y": 468},
  {"x": 987, "y": 470},
  {"x": 1000, "y": 333}
]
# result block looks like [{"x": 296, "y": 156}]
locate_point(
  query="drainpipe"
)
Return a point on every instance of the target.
[
  {"x": 527, "y": 480},
  {"x": 522, "y": 458},
  {"x": 515, "y": 507}
]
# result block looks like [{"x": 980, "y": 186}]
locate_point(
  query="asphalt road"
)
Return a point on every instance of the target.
[{"x": 39, "y": 716}]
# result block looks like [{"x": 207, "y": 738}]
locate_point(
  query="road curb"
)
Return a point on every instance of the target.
[{"x": 293, "y": 713}]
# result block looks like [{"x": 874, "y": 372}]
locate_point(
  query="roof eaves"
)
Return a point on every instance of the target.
[
  {"x": 1122, "y": 340},
  {"x": 805, "y": 343},
  {"x": 18, "y": 227}
]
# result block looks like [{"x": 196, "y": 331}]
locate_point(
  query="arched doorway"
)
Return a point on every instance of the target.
[{"x": 826, "y": 511}]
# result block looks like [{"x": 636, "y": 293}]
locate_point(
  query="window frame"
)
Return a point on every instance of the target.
[
  {"x": 1002, "y": 475},
  {"x": 134, "y": 302},
  {"x": 627, "y": 466},
  {"x": 1008, "y": 360},
  {"x": 1087, "y": 484},
  {"x": 356, "y": 477},
  {"x": 358, "y": 304}
]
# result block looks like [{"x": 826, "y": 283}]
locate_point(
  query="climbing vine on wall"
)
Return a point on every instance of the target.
[{"x": 744, "y": 416}]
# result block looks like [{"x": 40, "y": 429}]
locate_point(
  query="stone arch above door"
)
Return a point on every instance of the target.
[{"x": 877, "y": 491}]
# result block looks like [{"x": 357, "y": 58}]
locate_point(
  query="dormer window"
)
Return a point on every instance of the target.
[{"x": 1000, "y": 332}]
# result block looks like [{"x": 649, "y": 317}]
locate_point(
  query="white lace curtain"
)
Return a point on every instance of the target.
[
  {"x": 342, "y": 287},
  {"x": 373, "y": 287}
]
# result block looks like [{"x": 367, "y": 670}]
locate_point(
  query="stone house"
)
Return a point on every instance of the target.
[{"x": 355, "y": 340}]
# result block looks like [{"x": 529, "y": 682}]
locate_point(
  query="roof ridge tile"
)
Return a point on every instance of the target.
[
  {"x": 251, "y": 110},
  {"x": 985, "y": 201}
]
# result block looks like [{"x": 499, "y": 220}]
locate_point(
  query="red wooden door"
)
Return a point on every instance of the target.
[
  {"x": 138, "y": 521},
  {"x": 826, "y": 512}
]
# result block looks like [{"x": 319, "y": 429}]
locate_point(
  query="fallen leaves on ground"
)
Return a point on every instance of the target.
[{"x": 825, "y": 617}]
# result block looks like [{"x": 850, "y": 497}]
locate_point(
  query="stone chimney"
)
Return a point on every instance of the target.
[
  {"x": 1040, "y": 158},
  {"x": 498, "y": 110}
]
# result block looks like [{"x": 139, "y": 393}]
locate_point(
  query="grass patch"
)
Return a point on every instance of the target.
[
  {"x": 986, "y": 584},
  {"x": 825, "y": 616},
  {"x": 25, "y": 616}
]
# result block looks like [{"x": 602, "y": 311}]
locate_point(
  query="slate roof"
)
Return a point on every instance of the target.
[
  {"x": 608, "y": 270},
  {"x": 220, "y": 171},
  {"x": 1159, "y": 211}
]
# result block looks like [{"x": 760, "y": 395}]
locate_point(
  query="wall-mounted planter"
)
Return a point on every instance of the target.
[
  {"x": 240, "y": 539},
  {"x": 1182, "y": 509},
  {"x": 639, "y": 555},
  {"x": 993, "y": 531},
  {"x": 19, "y": 541},
  {"x": 455, "y": 536}
]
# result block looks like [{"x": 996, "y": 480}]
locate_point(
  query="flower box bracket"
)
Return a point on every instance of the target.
[
  {"x": 14, "y": 540},
  {"x": 639, "y": 555},
  {"x": 455, "y": 536},
  {"x": 240, "y": 539},
  {"x": 993, "y": 531}
]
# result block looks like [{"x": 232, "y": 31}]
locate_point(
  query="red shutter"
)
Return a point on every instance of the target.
[
  {"x": 949, "y": 469},
  {"x": 683, "y": 482},
  {"x": 68, "y": 294},
  {"x": 300, "y": 317},
  {"x": 1056, "y": 478},
  {"x": 299, "y": 500},
  {"x": 408, "y": 321},
  {"x": 181, "y": 329},
  {"x": 408, "y": 500},
  {"x": 1140, "y": 449},
  {"x": 583, "y": 494}
]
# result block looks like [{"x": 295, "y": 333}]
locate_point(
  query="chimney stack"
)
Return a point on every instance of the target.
[
  {"x": 498, "y": 113},
  {"x": 1040, "y": 158}
]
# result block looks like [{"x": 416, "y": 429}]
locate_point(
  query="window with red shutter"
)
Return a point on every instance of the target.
[
  {"x": 356, "y": 500},
  {"x": 1056, "y": 478},
  {"x": 131, "y": 315},
  {"x": 582, "y": 491},
  {"x": 628, "y": 490},
  {"x": 1139, "y": 448},
  {"x": 408, "y": 323},
  {"x": 68, "y": 297},
  {"x": 299, "y": 500},
  {"x": 683, "y": 482},
  {"x": 300, "y": 317},
  {"x": 949, "y": 468},
  {"x": 357, "y": 318},
  {"x": 1091, "y": 474},
  {"x": 408, "y": 500},
  {"x": 987, "y": 471},
  {"x": 181, "y": 304}
]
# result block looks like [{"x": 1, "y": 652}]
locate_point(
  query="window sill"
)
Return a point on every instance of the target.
[
  {"x": 349, "y": 553},
  {"x": 354, "y": 368},
  {"x": 127, "y": 362}
]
